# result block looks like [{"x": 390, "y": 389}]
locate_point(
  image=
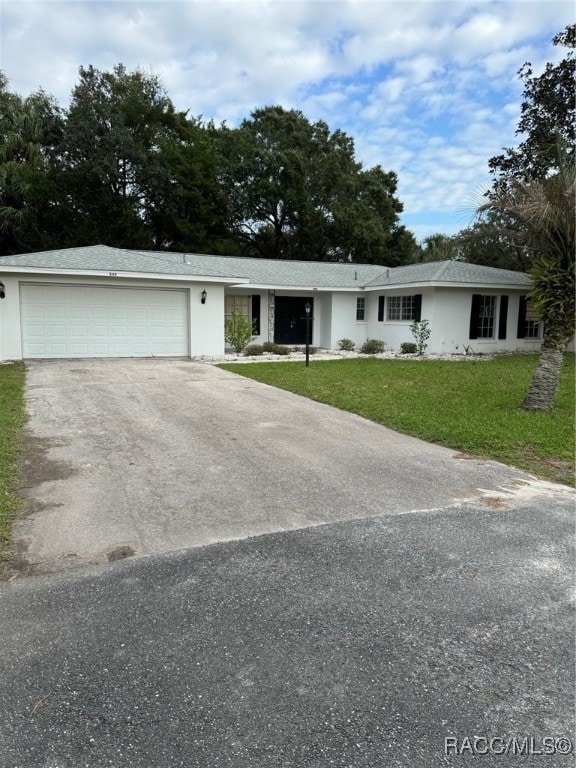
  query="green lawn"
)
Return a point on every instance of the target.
[
  {"x": 470, "y": 406},
  {"x": 12, "y": 417}
]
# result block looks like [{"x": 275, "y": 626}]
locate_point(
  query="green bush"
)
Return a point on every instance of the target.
[
  {"x": 253, "y": 350},
  {"x": 408, "y": 348},
  {"x": 346, "y": 345},
  {"x": 421, "y": 332},
  {"x": 275, "y": 349},
  {"x": 372, "y": 347},
  {"x": 238, "y": 331}
]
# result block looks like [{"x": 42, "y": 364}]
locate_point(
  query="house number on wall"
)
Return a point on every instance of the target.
[{"x": 113, "y": 274}]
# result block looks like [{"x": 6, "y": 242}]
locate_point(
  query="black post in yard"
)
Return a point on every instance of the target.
[{"x": 307, "y": 309}]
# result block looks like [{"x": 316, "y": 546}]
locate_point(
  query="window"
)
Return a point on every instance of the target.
[
  {"x": 236, "y": 304},
  {"x": 403, "y": 307},
  {"x": 249, "y": 306},
  {"x": 361, "y": 309},
  {"x": 532, "y": 325},
  {"x": 486, "y": 315},
  {"x": 529, "y": 324},
  {"x": 483, "y": 317},
  {"x": 400, "y": 308}
]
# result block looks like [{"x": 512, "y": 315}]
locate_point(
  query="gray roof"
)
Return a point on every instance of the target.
[
  {"x": 102, "y": 258},
  {"x": 268, "y": 272},
  {"x": 264, "y": 272},
  {"x": 449, "y": 272}
]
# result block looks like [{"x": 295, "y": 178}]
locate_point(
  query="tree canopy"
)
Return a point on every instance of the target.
[
  {"x": 533, "y": 207},
  {"x": 122, "y": 166},
  {"x": 294, "y": 190},
  {"x": 498, "y": 237},
  {"x": 548, "y": 112}
]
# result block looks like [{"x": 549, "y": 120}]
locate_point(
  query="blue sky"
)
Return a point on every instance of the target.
[{"x": 427, "y": 89}]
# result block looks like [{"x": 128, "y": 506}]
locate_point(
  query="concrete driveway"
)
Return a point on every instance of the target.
[{"x": 134, "y": 457}]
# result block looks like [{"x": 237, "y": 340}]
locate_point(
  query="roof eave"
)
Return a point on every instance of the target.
[
  {"x": 123, "y": 274},
  {"x": 302, "y": 288},
  {"x": 440, "y": 284}
]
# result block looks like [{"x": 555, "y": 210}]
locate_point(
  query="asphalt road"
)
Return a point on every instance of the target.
[{"x": 355, "y": 644}]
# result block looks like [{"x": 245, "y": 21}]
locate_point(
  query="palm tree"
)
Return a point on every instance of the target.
[{"x": 545, "y": 210}]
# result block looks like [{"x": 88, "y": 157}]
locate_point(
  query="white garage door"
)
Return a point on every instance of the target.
[{"x": 97, "y": 321}]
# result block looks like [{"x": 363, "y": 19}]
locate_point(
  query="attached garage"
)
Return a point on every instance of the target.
[{"x": 102, "y": 321}]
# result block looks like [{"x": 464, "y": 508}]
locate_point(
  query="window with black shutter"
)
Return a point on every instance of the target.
[
  {"x": 404, "y": 307},
  {"x": 482, "y": 316},
  {"x": 529, "y": 324}
]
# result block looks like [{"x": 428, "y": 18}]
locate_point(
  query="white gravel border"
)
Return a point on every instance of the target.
[{"x": 333, "y": 354}]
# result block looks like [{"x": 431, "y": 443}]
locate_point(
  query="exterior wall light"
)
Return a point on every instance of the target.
[
  {"x": 2, "y": 291},
  {"x": 203, "y": 295}
]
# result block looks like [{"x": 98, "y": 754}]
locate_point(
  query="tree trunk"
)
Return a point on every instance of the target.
[{"x": 542, "y": 392}]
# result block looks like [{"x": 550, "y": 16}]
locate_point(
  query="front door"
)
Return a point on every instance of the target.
[{"x": 290, "y": 319}]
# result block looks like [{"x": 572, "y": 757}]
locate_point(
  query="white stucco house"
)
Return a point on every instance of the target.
[{"x": 99, "y": 301}]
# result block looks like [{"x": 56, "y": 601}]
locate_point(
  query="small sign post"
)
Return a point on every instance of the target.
[{"x": 307, "y": 309}]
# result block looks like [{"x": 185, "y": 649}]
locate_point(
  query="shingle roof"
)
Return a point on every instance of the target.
[
  {"x": 269, "y": 272},
  {"x": 102, "y": 258},
  {"x": 447, "y": 272},
  {"x": 265, "y": 272}
]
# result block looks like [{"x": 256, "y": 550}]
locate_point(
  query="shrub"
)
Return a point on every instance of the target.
[
  {"x": 275, "y": 349},
  {"x": 408, "y": 348},
  {"x": 253, "y": 350},
  {"x": 372, "y": 347},
  {"x": 421, "y": 332},
  {"x": 346, "y": 345},
  {"x": 238, "y": 331}
]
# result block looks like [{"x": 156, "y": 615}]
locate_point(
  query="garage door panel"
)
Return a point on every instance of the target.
[
  {"x": 53, "y": 313},
  {"x": 99, "y": 321}
]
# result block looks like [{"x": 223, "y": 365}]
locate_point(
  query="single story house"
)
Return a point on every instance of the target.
[{"x": 99, "y": 301}]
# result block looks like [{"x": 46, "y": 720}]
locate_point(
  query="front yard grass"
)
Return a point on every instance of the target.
[
  {"x": 12, "y": 418},
  {"x": 471, "y": 406}
]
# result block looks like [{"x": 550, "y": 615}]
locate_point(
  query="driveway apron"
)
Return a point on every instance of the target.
[{"x": 134, "y": 457}]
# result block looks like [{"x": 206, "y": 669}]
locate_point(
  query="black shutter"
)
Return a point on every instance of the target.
[
  {"x": 521, "y": 332},
  {"x": 503, "y": 317},
  {"x": 256, "y": 314},
  {"x": 418, "y": 307},
  {"x": 474, "y": 312},
  {"x": 380, "y": 309}
]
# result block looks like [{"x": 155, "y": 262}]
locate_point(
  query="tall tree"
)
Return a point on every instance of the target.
[
  {"x": 29, "y": 128},
  {"x": 535, "y": 188},
  {"x": 548, "y": 111},
  {"x": 547, "y": 115},
  {"x": 545, "y": 209},
  {"x": 294, "y": 190},
  {"x": 110, "y": 155},
  {"x": 494, "y": 240},
  {"x": 436, "y": 247}
]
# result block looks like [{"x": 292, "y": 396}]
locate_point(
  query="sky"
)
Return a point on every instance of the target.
[{"x": 427, "y": 89}]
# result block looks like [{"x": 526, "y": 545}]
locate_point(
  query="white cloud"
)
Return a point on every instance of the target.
[{"x": 427, "y": 88}]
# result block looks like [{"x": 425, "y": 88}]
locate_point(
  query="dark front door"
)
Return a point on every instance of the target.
[{"x": 290, "y": 319}]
